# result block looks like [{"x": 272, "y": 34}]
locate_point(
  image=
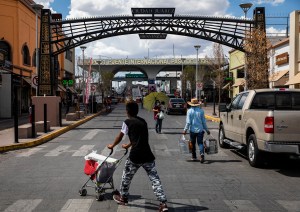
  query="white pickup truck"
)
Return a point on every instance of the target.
[{"x": 263, "y": 120}]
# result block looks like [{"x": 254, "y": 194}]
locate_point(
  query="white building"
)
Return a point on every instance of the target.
[{"x": 284, "y": 61}]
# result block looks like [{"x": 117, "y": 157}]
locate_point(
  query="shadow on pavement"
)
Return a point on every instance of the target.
[{"x": 221, "y": 161}]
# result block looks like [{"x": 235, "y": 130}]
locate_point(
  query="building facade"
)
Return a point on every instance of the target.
[
  {"x": 236, "y": 70},
  {"x": 294, "y": 50},
  {"x": 279, "y": 64},
  {"x": 284, "y": 61},
  {"x": 18, "y": 73}
]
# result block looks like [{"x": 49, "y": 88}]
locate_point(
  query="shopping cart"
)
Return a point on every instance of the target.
[
  {"x": 210, "y": 145},
  {"x": 100, "y": 170}
]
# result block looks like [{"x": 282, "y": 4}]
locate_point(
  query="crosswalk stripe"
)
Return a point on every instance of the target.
[
  {"x": 162, "y": 150},
  {"x": 91, "y": 134},
  {"x": 29, "y": 152},
  {"x": 185, "y": 204},
  {"x": 241, "y": 205},
  {"x": 84, "y": 150},
  {"x": 77, "y": 205},
  {"x": 162, "y": 137},
  {"x": 179, "y": 123},
  {"x": 58, "y": 150},
  {"x": 23, "y": 205},
  {"x": 292, "y": 206},
  {"x": 133, "y": 206}
]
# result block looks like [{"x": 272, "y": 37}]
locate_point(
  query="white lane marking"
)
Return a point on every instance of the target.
[
  {"x": 91, "y": 134},
  {"x": 60, "y": 149},
  {"x": 292, "y": 206},
  {"x": 133, "y": 206},
  {"x": 161, "y": 136},
  {"x": 23, "y": 205},
  {"x": 29, "y": 152},
  {"x": 185, "y": 204},
  {"x": 84, "y": 150},
  {"x": 77, "y": 205},
  {"x": 179, "y": 123},
  {"x": 241, "y": 205},
  {"x": 162, "y": 150}
]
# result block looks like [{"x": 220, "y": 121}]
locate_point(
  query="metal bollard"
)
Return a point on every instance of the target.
[
  {"x": 45, "y": 118},
  {"x": 33, "y": 121}
]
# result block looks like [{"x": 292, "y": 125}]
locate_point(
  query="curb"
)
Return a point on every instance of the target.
[
  {"x": 45, "y": 138},
  {"x": 212, "y": 118}
]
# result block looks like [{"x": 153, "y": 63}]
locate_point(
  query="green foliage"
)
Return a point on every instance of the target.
[{"x": 257, "y": 62}]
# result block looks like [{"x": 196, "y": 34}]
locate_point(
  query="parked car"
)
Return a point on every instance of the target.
[
  {"x": 263, "y": 120},
  {"x": 113, "y": 100},
  {"x": 171, "y": 95},
  {"x": 176, "y": 105}
]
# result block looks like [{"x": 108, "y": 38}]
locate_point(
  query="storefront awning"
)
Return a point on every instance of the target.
[
  {"x": 226, "y": 86},
  {"x": 277, "y": 75},
  {"x": 239, "y": 82},
  {"x": 294, "y": 80},
  {"x": 61, "y": 88},
  {"x": 27, "y": 80}
]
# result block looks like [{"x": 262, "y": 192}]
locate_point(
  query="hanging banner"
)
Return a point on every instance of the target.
[{"x": 88, "y": 84}]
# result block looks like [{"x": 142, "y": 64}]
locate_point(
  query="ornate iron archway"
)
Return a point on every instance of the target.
[{"x": 59, "y": 35}]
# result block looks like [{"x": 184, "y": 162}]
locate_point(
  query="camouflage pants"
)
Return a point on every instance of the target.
[{"x": 130, "y": 170}]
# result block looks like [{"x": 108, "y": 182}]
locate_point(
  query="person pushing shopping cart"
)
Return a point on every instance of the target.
[{"x": 140, "y": 156}]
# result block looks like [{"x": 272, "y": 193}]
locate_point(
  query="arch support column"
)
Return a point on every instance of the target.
[{"x": 45, "y": 71}]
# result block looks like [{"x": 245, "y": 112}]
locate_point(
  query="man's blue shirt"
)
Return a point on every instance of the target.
[{"x": 195, "y": 120}]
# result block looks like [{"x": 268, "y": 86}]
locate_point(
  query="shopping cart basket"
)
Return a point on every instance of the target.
[
  {"x": 210, "y": 145},
  {"x": 100, "y": 170}
]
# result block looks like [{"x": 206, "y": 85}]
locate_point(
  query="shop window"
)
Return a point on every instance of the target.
[
  {"x": 240, "y": 73},
  {"x": 34, "y": 58},
  {"x": 69, "y": 55},
  {"x": 5, "y": 52},
  {"x": 26, "y": 55}
]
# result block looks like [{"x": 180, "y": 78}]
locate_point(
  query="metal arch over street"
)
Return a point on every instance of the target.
[
  {"x": 59, "y": 35},
  {"x": 226, "y": 31}
]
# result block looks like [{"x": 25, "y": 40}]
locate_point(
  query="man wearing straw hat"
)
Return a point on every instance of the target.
[{"x": 196, "y": 124}]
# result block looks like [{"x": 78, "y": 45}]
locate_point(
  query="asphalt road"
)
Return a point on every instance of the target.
[{"x": 48, "y": 177}]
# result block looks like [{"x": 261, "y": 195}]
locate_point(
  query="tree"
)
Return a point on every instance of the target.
[
  {"x": 188, "y": 75},
  {"x": 106, "y": 77},
  {"x": 256, "y": 44},
  {"x": 217, "y": 65}
]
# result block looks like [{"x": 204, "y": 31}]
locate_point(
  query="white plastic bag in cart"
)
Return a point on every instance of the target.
[
  {"x": 211, "y": 145},
  {"x": 183, "y": 145},
  {"x": 100, "y": 158}
]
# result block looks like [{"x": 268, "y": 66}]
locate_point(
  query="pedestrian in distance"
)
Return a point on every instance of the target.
[
  {"x": 196, "y": 124},
  {"x": 158, "y": 121},
  {"x": 140, "y": 156}
]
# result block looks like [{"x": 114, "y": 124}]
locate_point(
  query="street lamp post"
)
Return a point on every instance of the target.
[
  {"x": 100, "y": 81},
  {"x": 37, "y": 8},
  {"x": 214, "y": 96},
  {"x": 83, "y": 80},
  {"x": 182, "y": 61},
  {"x": 245, "y": 7},
  {"x": 197, "y": 47}
]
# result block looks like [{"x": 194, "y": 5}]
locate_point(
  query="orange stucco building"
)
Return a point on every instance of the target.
[{"x": 18, "y": 56}]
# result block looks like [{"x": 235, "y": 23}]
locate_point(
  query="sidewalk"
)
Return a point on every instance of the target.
[
  {"x": 209, "y": 110},
  {"x": 7, "y": 142}
]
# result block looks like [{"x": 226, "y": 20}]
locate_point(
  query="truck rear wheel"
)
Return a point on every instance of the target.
[
  {"x": 253, "y": 153},
  {"x": 222, "y": 144}
]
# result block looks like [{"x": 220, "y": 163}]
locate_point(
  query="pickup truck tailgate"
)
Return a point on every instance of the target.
[{"x": 287, "y": 126}]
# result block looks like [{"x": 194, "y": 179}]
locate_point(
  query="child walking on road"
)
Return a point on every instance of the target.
[{"x": 140, "y": 156}]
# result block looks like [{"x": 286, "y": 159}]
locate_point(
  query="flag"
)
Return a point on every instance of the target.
[{"x": 88, "y": 84}]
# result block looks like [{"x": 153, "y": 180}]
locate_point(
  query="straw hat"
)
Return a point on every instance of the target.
[{"x": 194, "y": 102}]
